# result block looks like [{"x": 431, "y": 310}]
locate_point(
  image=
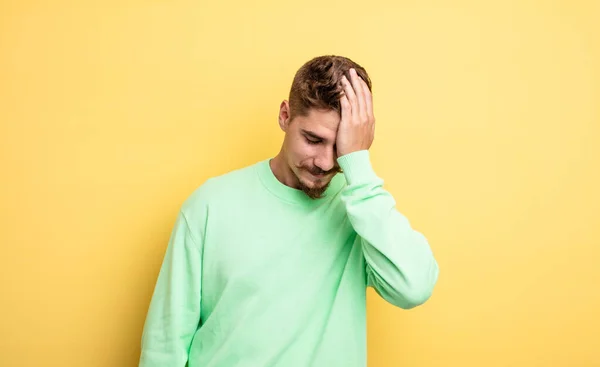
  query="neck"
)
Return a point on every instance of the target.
[{"x": 282, "y": 171}]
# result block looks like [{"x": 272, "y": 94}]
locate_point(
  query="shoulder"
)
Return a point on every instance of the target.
[{"x": 218, "y": 190}]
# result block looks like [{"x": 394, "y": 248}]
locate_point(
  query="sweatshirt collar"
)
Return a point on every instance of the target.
[{"x": 293, "y": 195}]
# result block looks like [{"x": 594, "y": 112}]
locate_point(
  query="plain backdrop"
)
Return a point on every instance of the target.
[{"x": 488, "y": 127}]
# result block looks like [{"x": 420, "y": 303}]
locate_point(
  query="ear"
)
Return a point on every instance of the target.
[{"x": 284, "y": 115}]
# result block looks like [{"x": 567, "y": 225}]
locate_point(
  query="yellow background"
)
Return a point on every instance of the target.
[{"x": 488, "y": 127}]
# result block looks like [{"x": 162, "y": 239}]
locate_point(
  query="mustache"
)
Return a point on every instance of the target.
[{"x": 318, "y": 171}]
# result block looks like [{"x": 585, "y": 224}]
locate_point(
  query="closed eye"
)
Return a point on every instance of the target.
[{"x": 313, "y": 142}]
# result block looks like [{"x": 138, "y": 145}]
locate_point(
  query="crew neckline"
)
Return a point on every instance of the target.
[{"x": 290, "y": 194}]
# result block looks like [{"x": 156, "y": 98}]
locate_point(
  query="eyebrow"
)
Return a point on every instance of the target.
[{"x": 312, "y": 135}]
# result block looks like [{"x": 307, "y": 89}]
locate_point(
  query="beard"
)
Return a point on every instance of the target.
[{"x": 316, "y": 192}]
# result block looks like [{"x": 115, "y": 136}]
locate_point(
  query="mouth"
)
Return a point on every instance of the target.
[{"x": 318, "y": 175}]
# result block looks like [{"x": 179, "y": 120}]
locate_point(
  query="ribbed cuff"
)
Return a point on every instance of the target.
[{"x": 357, "y": 167}]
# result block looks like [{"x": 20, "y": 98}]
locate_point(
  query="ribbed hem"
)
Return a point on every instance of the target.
[{"x": 357, "y": 167}]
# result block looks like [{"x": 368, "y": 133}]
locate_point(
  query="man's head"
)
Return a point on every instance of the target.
[{"x": 310, "y": 121}]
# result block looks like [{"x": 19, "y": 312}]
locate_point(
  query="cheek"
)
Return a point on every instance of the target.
[{"x": 303, "y": 151}]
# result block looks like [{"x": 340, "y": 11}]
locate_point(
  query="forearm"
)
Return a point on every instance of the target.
[{"x": 399, "y": 262}]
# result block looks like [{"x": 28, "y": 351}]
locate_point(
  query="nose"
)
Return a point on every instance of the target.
[{"x": 326, "y": 160}]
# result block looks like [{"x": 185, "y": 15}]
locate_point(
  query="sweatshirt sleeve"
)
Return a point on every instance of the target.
[
  {"x": 400, "y": 265},
  {"x": 174, "y": 312}
]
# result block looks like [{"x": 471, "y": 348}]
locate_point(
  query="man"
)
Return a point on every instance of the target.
[{"x": 268, "y": 265}]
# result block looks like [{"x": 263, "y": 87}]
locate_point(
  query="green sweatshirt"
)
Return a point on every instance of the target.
[{"x": 258, "y": 274}]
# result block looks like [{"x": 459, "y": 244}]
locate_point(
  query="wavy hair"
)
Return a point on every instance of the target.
[{"x": 317, "y": 84}]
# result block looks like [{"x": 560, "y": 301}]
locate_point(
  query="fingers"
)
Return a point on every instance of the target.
[
  {"x": 359, "y": 96},
  {"x": 346, "y": 109},
  {"x": 368, "y": 101},
  {"x": 357, "y": 84},
  {"x": 369, "y": 107},
  {"x": 350, "y": 95}
]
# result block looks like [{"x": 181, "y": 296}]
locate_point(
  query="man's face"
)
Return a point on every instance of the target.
[{"x": 310, "y": 149}]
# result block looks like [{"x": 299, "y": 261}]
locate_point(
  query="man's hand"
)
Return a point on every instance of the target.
[{"x": 357, "y": 126}]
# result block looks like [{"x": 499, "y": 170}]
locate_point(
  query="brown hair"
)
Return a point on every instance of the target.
[{"x": 317, "y": 84}]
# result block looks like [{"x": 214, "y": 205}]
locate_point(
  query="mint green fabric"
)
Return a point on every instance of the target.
[{"x": 258, "y": 274}]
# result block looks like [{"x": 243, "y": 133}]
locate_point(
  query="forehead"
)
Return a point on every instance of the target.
[{"x": 321, "y": 122}]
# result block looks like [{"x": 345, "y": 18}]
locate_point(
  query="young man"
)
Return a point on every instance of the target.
[{"x": 268, "y": 265}]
